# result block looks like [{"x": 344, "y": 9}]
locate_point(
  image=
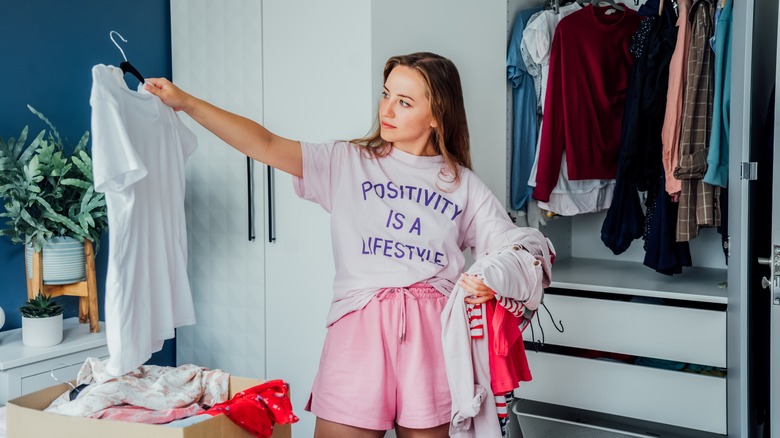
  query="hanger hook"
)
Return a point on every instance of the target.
[
  {"x": 111, "y": 35},
  {"x": 51, "y": 373}
]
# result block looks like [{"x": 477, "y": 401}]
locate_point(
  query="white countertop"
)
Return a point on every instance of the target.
[{"x": 75, "y": 337}]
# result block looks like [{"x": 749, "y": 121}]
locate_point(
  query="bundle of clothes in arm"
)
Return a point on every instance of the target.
[
  {"x": 484, "y": 366},
  {"x": 174, "y": 396}
]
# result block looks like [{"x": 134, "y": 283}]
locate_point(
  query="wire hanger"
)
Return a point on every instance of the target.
[
  {"x": 74, "y": 390},
  {"x": 125, "y": 65}
]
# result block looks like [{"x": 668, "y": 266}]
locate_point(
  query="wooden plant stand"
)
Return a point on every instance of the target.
[{"x": 86, "y": 290}]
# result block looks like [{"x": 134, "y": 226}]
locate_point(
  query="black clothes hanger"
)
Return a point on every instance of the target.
[
  {"x": 128, "y": 68},
  {"x": 125, "y": 65}
]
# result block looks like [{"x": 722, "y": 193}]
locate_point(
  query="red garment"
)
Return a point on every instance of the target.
[
  {"x": 590, "y": 67},
  {"x": 258, "y": 408},
  {"x": 508, "y": 362}
]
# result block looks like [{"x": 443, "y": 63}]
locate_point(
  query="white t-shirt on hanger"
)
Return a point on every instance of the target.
[{"x": 139, "y": 148}]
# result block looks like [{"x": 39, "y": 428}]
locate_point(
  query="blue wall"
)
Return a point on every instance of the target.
[{"x": 47, "y": 50}]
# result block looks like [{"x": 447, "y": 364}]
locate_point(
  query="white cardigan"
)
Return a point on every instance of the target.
[{"x": 517, "y": 266}]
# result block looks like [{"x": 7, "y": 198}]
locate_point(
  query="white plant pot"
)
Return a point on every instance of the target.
[
  {"x": 63, "y": 260},
  {"x": 42, "y": 332}
]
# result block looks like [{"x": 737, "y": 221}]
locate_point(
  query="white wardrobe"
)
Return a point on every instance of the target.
[
  {"x": 312, "y": 70},
  {"x": 261, "y": 305}
]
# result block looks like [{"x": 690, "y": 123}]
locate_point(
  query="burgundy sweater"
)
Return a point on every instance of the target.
[{"x": 590, "y": 67}]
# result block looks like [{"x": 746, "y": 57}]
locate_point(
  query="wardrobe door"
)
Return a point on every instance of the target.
[
  {"x": 317, "y": 76},
  {"x": 754, "y": 273},
  {"x": 754, "y": 216},
  {"x": 217, "y": 56},
  {"x": 772, "y": 282},
  {"x": 773, "y": 252}
]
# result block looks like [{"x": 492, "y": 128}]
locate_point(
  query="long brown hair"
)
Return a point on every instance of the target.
[{"x": 451, "y": 135}]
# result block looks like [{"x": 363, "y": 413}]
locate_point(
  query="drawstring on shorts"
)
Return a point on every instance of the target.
[{"x": 402, "y": 293}]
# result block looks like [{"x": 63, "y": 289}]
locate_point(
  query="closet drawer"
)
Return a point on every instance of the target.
[
  {"x": 669, "y": 397},
  {"x": 65, "y": 369},
  {"x": 663, "y": 332},
  {"x": 44, "y": 380}
]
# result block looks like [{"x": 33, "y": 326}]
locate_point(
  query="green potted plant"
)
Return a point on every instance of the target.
[
  {"x": 49, "y": 199},
  {"x": 41, "y": 321}
]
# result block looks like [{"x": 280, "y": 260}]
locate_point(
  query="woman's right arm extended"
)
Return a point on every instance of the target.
[{"x": 245, "y": 135}]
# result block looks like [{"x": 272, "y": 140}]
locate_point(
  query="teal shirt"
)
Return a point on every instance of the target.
[{"x": 718, "y": 155}]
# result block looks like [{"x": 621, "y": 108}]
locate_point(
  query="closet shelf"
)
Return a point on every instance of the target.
[{"x": 631, "y": 278}]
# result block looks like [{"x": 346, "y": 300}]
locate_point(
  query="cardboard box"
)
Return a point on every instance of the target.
[{"x": 26, "y": 419}]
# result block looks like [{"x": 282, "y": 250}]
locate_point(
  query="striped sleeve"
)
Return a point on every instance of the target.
[{"x": 476, "y": 321}]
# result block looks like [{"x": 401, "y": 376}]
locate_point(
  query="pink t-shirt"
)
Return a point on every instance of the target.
[{"x": 394, "y": 220}]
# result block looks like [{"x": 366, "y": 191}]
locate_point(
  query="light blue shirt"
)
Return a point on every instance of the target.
[{"x": 525, "y": 124}]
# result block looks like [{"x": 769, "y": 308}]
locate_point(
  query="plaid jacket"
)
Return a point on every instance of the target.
[{"x": 699, "y": 201}]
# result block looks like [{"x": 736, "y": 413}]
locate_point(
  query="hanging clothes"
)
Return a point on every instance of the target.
[
  {"x": 625, "y": 220},
  {"x": 662, "y": 251},
  {"x": 718, "y": 156},
  {"x": 641, "y": 134},
  {"x": 524, "y": 118},
  {"x": 508, "y": 361},
  {"x": 536, "y": 46},
  {"x": 698, "y": 200},
  {"x": 533, "y": 68},
  {"x": 589, "y": 72},
  {"x": 506, "y": 354},
  {"x": 139, "y": 148},
  {"x": 568, "y": 197},
  {"x": 670, "y": 134}
]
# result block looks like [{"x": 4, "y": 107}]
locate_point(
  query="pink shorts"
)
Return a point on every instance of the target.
[{"x": 383, "y": 365}]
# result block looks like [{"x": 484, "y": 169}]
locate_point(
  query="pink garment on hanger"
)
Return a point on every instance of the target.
[{"x": 508, "y": 361}]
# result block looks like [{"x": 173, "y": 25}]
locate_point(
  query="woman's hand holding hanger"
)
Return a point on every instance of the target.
[{"x": 170, "y": 94}]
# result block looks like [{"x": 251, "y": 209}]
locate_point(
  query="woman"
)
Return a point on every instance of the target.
[{"x": 404, "y": 204}]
